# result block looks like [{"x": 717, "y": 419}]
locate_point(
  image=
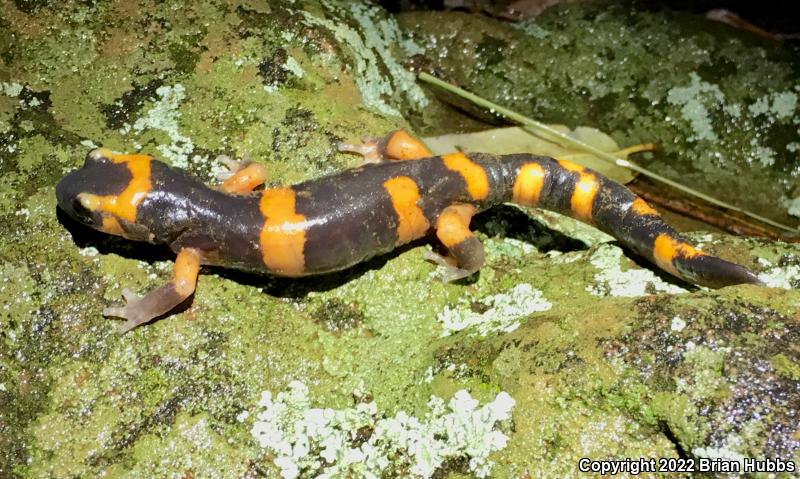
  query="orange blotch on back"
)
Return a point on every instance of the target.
[
  {"x": 127, "y": 158},
  {"x": 640, "y": 207},
  {"x": 124, "y": 205},
  {"x": 402, "y": 146},
  {"x": 569, "y": 165},
  {"x": 283, "y": 235},
  {"x": 474, "y": 175},
  {"x": 411, "y": 221},
  {"x": 667, "y": 248},
  {"x": 528, "y": 184},
  {"x": 585, "y": 191},
  {"x": 583, "y": 197}
]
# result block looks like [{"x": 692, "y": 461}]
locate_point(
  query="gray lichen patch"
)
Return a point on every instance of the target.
[
  {"x": 360, "y": 441},
  {"x": 371, "y": 44}
]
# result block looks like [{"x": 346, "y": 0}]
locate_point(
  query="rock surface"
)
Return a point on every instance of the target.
[{"x": 561, "y": 348}]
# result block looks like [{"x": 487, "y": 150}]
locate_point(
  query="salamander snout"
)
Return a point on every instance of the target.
[{"x": 67, "y": 191}]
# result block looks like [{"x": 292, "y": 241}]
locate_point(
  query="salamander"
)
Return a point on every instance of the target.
[{"x": 401, "y": 193}]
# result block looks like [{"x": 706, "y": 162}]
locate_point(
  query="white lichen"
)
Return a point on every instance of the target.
[
  {"x": 294, "y": 67},
  {"x": 532, "y": 28},
  {"x": 779, "y": 106},
  {"x": 10, "y": 89},
  {"x": 508, "y": 248},
  {"x": 377, "y": 76},
  {"x": 733, "y": 109},
  {"x": 677, "y": 324},
  {"x": 764, "y": 154},
  {"x": 727, "y": 449},
  {"x": 694, "y": 100},
  {"x": 779, "y": 276},
  {"x": 700, "y": 239},
  {"x": 717, "y": 453},
  {"x": 611, "y": 280},
  {"x": 784, "y": 104},
  {"x": 163, "y": 115},
  {"x": 360, "y": 442},
  {"x": 792, "y": 206},
  {"x": 759, "y": 107},
  {"x": 502, "y": 312},
  {"x": 558, "y": 257},
  {"x": 23, "y": 212},
  {"x": 89, "y": 252}
]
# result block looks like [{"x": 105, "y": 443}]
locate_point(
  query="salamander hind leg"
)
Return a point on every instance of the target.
[
  {"x": 140, "y": 310},
  {"x": 396, "y": 145},
  {"x": 452, "y": 229}
]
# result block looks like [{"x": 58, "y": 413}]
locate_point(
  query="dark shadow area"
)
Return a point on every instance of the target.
[
  {"x": 298, "y": 288},
  {"x": 772, "y": 15},
  {"x": 671, "y": 437},
  {"x": 776, "y": 17},
  {"x": 510, "y": 222},
  {"x": 84, "y": 236},
  {"x": 769, "y": 14}
]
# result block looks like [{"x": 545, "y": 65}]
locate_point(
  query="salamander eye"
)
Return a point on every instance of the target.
[{"x": 98, "y": 155}]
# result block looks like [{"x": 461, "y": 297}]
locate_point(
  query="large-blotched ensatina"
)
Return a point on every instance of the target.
[{"x": 332, "y": 223}]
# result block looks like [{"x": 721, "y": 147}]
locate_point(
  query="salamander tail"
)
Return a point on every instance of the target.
[
  {"x": 584, "y": 194},
  {"x": 713, "y": 272}
]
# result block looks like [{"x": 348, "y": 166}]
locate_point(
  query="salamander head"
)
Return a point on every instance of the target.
[{"x": 105, "y": 192}]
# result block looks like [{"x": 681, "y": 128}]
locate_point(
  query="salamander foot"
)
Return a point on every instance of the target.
[
  {"x": 369, "y": 148},
  {"x": 139, "y": 310},
  {"x": 452, "y": 273}
]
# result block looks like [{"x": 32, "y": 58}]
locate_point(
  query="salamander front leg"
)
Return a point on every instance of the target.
[
  {"x": 396, "y": 145},
  {"x": 246, "y": 176},
  {"x": 140, "y": 310},
  {"x": 452, "y": 229}
]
